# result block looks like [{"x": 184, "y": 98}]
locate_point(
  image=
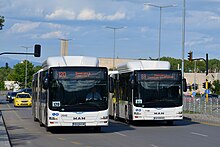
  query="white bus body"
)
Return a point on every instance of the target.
[
  {"x": 60, "y": 88},
  {"x": 146, "y": 90}
]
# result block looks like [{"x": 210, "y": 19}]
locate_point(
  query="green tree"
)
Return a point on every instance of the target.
[
  {"x": 4, "y": 73},
  {"x": 18, "y": 73},
  {"x": 216, "y": 87},
  {"x": 214, "y": 65},
  {"x": 2, "y": 85}
]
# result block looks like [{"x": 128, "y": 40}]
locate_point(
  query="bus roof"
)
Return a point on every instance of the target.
[
  {"x": 62, "y": 61},
  {"x": 143, "y": 65}
]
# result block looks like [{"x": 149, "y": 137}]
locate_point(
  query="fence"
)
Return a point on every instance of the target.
[{"x": 200, "y": 105}]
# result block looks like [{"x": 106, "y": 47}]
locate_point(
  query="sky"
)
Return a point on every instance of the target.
[{"x": 85, "y": 24}]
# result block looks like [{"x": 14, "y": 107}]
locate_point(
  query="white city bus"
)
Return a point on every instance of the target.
[
  {"x": 146, "y": 90},
  {"x": 60, "y": 90}
]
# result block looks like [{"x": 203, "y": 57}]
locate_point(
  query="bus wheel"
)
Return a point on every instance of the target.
[
  {"x": 35, "y": 119},
  {"x": 127, "y": 121},
  {"x": 49, "y": 129},
  {"x": 97, "y": 129},
  {"x": 170, "y": 122},
  {"x": 41, "y": 124}
]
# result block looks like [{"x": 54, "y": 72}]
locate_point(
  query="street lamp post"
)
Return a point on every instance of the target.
[
  {"x": 114, "y": 29},
  {"x": 183, "y": 36},
  {"x": 160, "y": 7},
  {"x": 26, "y": 70}
]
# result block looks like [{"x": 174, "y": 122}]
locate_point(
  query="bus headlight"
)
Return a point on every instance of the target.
[{"x": 104, "y": 117}]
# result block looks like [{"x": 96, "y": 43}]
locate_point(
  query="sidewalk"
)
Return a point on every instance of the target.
[
  {"x": 4, "y": 140},
  {"x": 203, "y": 118}
]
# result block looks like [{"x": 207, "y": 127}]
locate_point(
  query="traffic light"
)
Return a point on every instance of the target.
[
  {"x": 190, "y": 56},
  {"x": 209, "y": 85},
  {"x": 195, "y": 86},
  {"x": 204, "y": 85},
  {"x": 37, "y": 50}
]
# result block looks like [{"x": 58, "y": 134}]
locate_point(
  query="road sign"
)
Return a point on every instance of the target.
[
  {"x": 207, "y": 91},
  {"x": 194, "y": 93}
]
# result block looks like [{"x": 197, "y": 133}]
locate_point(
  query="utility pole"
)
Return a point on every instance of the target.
[
  {"x": 206, "y": 84},
  {"x": 183, "y": 36},
  {"x": 114, "y": 29},
  {"x": 206, "y": 81},
  {"x": 26, "y": 70},
  {"x": 160, "y": 7}
]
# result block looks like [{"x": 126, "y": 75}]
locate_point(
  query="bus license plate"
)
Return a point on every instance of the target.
[
  {"x": 79, "y": 124},
  {"x": 158, "y": 118}
]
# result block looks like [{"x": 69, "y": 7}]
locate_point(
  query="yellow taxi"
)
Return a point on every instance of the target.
[{"x": 23, "y": 99}]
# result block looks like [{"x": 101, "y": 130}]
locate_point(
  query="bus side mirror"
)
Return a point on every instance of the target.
[
  {"x": 45, "y": 83},
  {"x": 111, "y": 85},
  {"x": 184, "y": 85}
]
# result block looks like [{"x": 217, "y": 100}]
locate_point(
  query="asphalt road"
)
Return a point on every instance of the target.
[{"x": 24, "y": 132}]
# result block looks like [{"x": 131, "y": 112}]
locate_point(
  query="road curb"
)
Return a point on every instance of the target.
[
  {"x": 4, "y": 139},
  {"x": 207, "y": 121}
]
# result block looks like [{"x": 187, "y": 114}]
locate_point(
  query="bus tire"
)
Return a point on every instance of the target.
[
  {"x": 41, "y": 124},
  {"x": 35, "y": 119},
  {"x": 97, "y": 129},
  {"x": 49, "y": 129},
  {"x": 127, "y": 121}
]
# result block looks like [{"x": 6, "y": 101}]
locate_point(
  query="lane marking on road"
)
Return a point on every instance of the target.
[
  {"x": 61, "y": 138},
  {"x": 154, "y": 145},
  {"x": 75, "y": 142},
  {"x": 120, "y": 134},
  {"x": 15, "y": 113},
  {"x": 199, "y": 134}
]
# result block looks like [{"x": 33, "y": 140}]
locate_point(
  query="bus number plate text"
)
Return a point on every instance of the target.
[
  {"x": 158, "y": 118},
  {"x": 79, "y": 124}
]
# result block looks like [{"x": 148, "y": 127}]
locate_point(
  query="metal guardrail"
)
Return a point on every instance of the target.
[{"x": 201, "y": 106}]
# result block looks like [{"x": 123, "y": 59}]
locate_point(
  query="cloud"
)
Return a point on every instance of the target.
[
  {"x": 55, "y": 34},
  {"x": 61, "y": 15},
  {"x": 116, "y": 16},
  {"x": 144, "y": 29},
  {"x": 198, "y": 39},
  {"x": 85, "y": 14},
  {"x": 23, "y": 27}
]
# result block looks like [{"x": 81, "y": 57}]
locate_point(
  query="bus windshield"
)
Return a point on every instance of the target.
[
  {"x": 158, "y": 90},
  {"x": 78, "y": 89}
]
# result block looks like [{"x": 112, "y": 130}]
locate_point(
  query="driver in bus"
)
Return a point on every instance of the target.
[{"x": 93, "y": 95}]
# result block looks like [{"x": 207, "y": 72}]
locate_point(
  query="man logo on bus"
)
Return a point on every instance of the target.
[{"x": 79, "y": 118}]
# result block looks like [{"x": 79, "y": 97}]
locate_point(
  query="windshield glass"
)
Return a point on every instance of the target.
[
  {"x": 23, "y": 96},
  {"x": 157, "y": 92},
  {"x": 78, "y": 89}
]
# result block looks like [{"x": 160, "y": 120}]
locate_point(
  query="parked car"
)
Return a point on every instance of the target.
[
  {"x": 23, "y": 99},
  {"x": 8, "y": 95},
  {"x": 26, "y": 90},
  {"x": 12, "y": 96}
]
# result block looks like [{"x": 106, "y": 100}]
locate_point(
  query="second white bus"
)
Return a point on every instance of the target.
[{"x": 146, "y": 90}]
